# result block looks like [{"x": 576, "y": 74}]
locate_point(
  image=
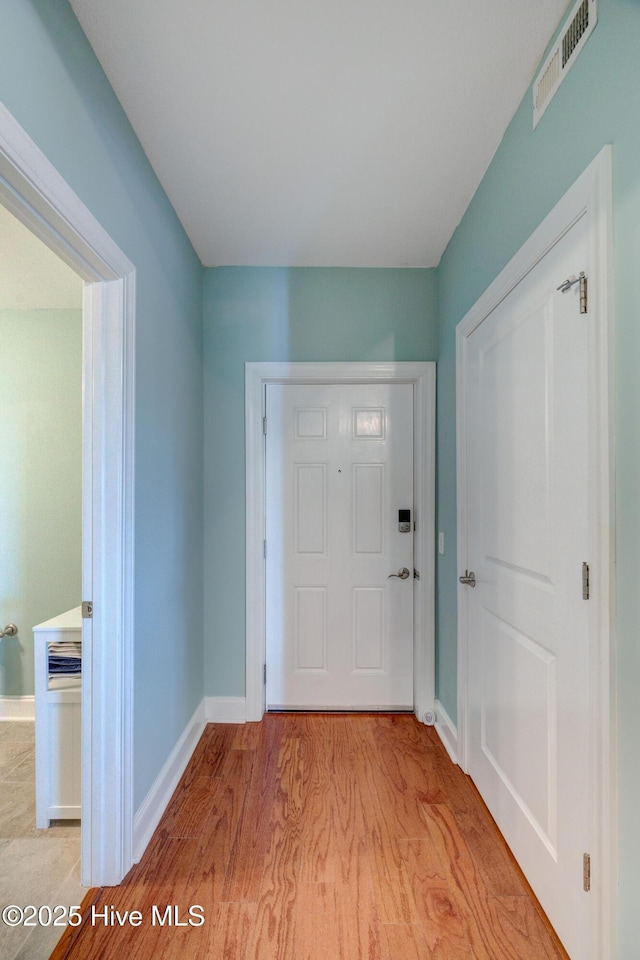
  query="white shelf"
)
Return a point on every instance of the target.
[{"x": 58, "y": 725}]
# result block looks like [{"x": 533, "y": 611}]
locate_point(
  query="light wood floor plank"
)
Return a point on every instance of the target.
[
  {"x": 392, "y": 787},
  {"x": 191, "y": 808},
  {"x": 275, "y": 919},
  {"x": 493, "y": 859},
  {"x": 246, "y": 736},
  {"x": 412, "y": 768},
  {"x": 211, "y": 752},
  {"x": 521, "y": 923},
  {"x": 403, "y": 941},
  {"x": 489, "y": 939},
  {"x": 316, "y": 931},
  {"x": 445, "y": 932},
  {"x": 244, "y": 870},
  {"x": 231, "y": 933},
  {"x": 318, "y": 846},
  {"x": 217, "y": 838},
  {"x": 356, "y": 917}
]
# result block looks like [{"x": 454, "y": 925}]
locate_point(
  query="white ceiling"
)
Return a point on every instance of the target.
[
  {"x": 31, "y": 276},
  {"x": 319, "y": 132}
]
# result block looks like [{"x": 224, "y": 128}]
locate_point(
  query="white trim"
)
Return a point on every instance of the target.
[
  {"x": 17, "y": 708},
  {"x": 447, "y": 731},
  {"x": 423, "y": 376},
  {"x": 38, "y": 196},
  {"x": 156, "y": 801},
  {"x": 589, "y": 197},
  {"x": 226, "y": 709}
]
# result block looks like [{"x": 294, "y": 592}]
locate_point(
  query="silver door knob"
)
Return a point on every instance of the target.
[
  {"x": 469, "y": 578},
  {"x": 402, "y": 574},
  {"x": 9, "y": 631}
]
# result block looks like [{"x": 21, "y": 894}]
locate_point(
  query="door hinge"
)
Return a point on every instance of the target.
[
  {"x": 586, "y": 873},
  {"x": 264, "y": 549},
  {"x": 566, "y": 285},
  {"x": 583, "y": 293},
  {"x": 264, "y": 425},
  {"x": 585, "y": 581},
  {"x": 264, "y": 674},
  {"x": 87, "y": 609}
]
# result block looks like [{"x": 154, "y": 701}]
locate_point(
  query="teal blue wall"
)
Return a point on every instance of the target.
[
  {"x": 40, "y": 479},
  {"x": 52, "y": 83},
  {"x": 598, "y": 103},
  {"x": 278, "y": 314}
]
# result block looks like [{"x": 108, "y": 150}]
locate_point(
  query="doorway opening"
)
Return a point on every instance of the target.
[
  {"x": 40, "y": 572},
  {"x": 422, "y": 378},
  {"x": 35, "y": 193}
]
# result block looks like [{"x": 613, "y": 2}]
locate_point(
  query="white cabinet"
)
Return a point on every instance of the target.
[{"x": 58, "y": 725}]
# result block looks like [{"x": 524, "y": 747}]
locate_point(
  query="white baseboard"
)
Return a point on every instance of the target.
[
  {"x": 17, "y": 708},
  {"x": 447, "y": 731},
  {"x": 226, "y": 709},
  {"x": 155, "y": 803}
]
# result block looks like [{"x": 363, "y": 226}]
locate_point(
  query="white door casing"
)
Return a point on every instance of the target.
[
  {"x": 37, "y": 195},
  {"x": 534, "y": 464},
  {"x": 339, "y": 467},
  {"x": 422, "y": 376}
]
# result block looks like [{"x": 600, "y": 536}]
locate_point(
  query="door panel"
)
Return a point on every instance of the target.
[
  {"x": 311, "y": 628},
  {"x": 368, "y": 629},
  {"x": 310, "y": 510},
  {"x": 528, "y": 526},
  {"x": 368, "y": 508},
  {"x": 339, "y": 468},
  {"x": 519, "y": 676},
  {"x": 514, "y": 405}
]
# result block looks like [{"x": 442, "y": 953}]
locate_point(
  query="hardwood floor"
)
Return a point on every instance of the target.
[{"x": 313, "y": 836}]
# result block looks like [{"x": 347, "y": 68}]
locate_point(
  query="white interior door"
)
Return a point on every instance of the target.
[
  {"x": 527, "y": 396},
  {"x": 339, "y": 468}
]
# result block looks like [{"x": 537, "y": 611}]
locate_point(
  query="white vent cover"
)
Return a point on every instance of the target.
[{"x": 573, "y": 36}]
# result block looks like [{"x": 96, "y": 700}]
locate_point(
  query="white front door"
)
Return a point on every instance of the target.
[
  {"x": 339, "y": 468},
  {"x": 528, "y": 490}
]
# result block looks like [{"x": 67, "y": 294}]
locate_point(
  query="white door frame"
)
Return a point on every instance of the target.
[
  {"x": 33, "y": 190},
  {"x": 423, "y": 377},
  {"x": 589, "y": 197}
]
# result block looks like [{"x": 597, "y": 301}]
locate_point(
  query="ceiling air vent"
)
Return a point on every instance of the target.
[{"x": 573, "y": 36}]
